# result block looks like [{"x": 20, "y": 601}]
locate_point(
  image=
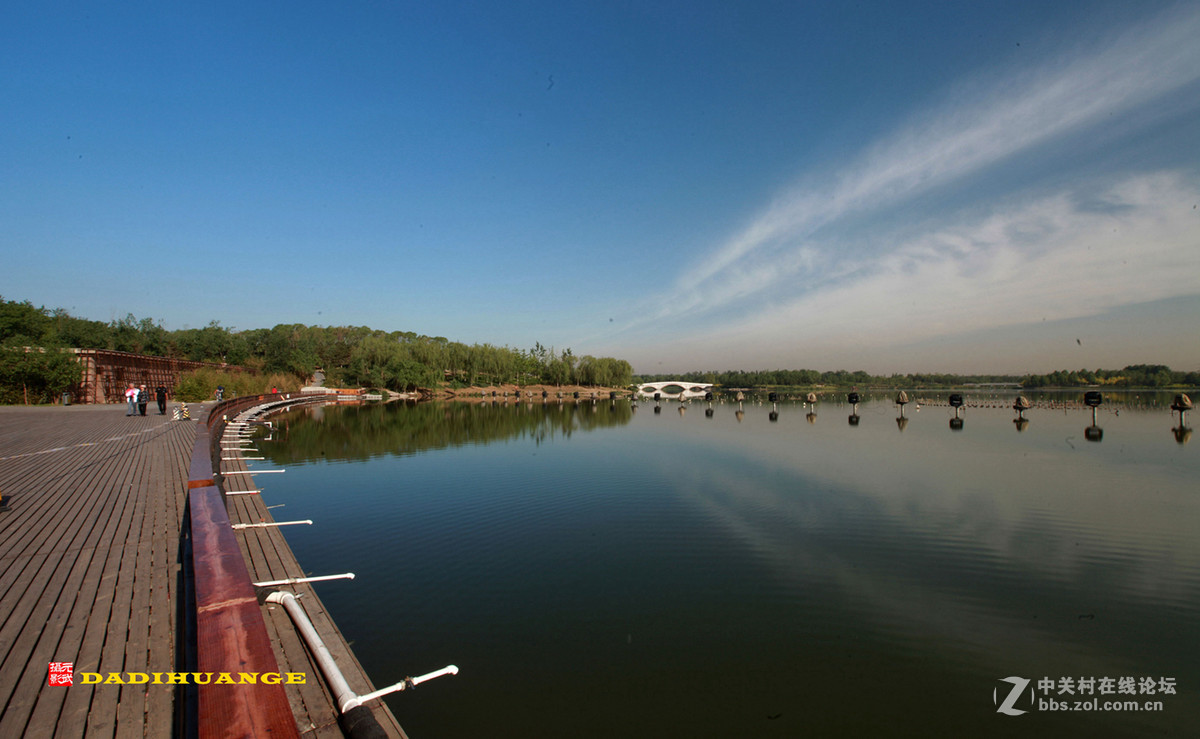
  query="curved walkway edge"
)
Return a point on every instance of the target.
[{"x": 100, "y": 633}]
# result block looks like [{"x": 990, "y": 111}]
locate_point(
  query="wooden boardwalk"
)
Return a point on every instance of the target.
[
  {"x": 91, "y": 573},
  {"x": 269, "y": 558},
  {"x": 90, "y": 566}
]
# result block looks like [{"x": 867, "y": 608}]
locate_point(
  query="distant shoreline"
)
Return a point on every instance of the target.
[{"x": 528, "y": 391}]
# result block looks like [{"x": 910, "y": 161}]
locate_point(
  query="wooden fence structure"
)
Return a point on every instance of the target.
[{"x": 106, "y": 373}]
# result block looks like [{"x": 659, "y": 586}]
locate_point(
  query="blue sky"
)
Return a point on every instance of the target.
[{"x": 895, "y": 187}]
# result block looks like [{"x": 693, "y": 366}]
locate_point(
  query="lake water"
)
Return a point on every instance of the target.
[{"x": 601, "y": 570}]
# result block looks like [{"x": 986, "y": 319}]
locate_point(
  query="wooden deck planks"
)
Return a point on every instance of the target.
[
  {"x": 90, "y": 565},
  {"x": 311, "y": 703},
  {"x": 90, "y": 573},
  {"x": 37, "y": 614},
  {"x": 268, "y": 557}
]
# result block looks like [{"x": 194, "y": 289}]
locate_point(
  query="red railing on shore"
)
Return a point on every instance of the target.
[{"x": 230, "y": 635}]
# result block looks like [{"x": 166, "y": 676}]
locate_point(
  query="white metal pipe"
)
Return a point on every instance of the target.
[
  {"x": 251, "y": 472},
  {"x": 293, "y": 580},
  {"x": 342, "y": 693},
  {"x": 243, "y": 492},
  {"x": 265, "y": 524},
  {"x": 411, "y": 682}
]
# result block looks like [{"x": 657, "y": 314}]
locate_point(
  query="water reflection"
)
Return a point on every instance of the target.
[
  {"x": 596, "y": 573},
  {"x": 361, "y": 432}
]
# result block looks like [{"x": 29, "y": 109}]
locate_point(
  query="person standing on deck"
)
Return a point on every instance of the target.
[
  {"x": 131, "y": 396},
  {"x": 160, "y": 394},
  {"x": 142, "y": 399}
]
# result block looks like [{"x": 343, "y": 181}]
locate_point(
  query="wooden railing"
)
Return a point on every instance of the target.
[{"x": 229, "y": 633}]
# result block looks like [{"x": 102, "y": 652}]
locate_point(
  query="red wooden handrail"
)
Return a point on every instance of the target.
[{"x": 231, "y": 636}]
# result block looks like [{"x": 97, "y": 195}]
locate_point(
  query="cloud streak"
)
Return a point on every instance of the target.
[
  {"x": 1049, "y": 259},
  {"x": 1060, "y": 256},
  {"x": 983, "y": 123}
]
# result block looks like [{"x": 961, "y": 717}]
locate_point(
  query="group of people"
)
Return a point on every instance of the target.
[{"x": 139, "y": 398}]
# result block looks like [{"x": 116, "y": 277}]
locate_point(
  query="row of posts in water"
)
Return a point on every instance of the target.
[{"x": 1092, "y": 399}]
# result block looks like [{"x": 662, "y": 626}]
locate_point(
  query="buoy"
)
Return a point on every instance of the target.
[
  {"x": 1182, "y": 403},
  {"x": 1092, "y": 399}
]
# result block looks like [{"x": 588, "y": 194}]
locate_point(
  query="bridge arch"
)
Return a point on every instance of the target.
[{"x": 675, "y": 389}]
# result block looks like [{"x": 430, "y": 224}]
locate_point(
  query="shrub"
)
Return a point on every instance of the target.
[{"x": 199, "y": 385}]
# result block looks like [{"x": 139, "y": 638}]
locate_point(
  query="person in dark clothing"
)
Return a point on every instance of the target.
[
  {"x": 143, "y": 400},
  {"x": 160, "y": 394}
]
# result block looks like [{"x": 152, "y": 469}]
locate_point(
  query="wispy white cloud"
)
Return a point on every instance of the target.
[
  {"x": 982, "y": 123},
  {"x": 1059, "y": 256},
  {"x": 1047, "y": 259}
]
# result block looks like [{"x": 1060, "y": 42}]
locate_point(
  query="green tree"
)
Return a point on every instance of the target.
[
  {"x": 35, "y": 375},
  {"x": 22, "y": 325}
]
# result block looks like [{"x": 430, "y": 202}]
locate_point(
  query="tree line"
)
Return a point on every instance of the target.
[
  {"x": 1137, "y": 375},
  {"x": 1134, "y": 375},
  {"x": 350, "y": 356}
]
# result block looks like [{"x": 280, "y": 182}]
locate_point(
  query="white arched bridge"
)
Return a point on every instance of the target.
[{"x": 675, "y": 389}]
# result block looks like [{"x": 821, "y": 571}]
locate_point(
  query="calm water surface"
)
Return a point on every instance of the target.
[{"x": 604, "y": 570}]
